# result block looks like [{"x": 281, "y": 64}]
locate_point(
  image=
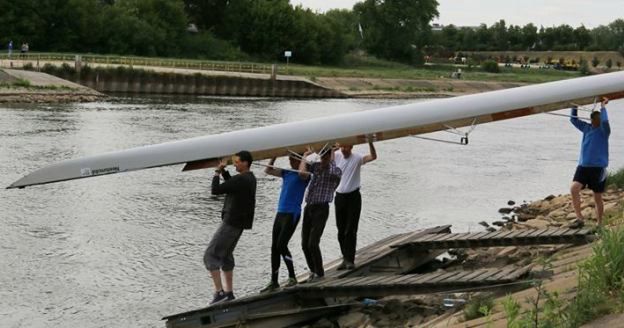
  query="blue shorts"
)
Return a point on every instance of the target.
[{"x": 593, "y": 177}]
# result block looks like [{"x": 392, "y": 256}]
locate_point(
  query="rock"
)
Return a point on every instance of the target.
[
  {"x": 511, "y": 203},
  {"x": 353, "y": 320},
  {"x": 588, "y": 213},
  {"x": 505, "y": 210},
  {"x": 609, "y": 207},
  {"x": 557, "y": 214},
  {"x": 491, "y": 229},
  {"x": 549, "y": 197},
  {"x": 537, "y": 224},
  {"x": 571, "y": 216},
  {"x": 414, "y": 321},
  {"x": 498, "y": 223},
  {"x": 507, "y": 251},
  {"x": 506, "y": 218},
  {"x": 483, "y": 223},
  {"x": 525, "y": 217}
]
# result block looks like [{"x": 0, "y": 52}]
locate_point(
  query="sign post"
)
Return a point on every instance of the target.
[{"x": 287, "y": 54}]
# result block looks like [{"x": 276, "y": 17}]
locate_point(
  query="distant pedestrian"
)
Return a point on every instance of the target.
[
  {"x": 23, "y": 49},
  {"x": 237, "y": 215},
  {"x": 10, "y": 48}
]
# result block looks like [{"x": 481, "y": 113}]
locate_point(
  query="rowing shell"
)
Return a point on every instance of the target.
[{"x": 353, "y": 128}]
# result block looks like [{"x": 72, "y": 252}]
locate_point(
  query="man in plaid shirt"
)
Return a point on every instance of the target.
[{"x": 325, "y": 178}]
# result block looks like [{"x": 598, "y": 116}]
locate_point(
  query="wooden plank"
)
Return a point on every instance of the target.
[
  {"x": 493, "y": 235},
  {"x": 458, "y": 274},
  {"x": 388, "y": 280},
  {"x": 505, "y": 235},
  {"x": 447, "y": 237},
  {"x": 472, "y": 275},
  {"x": 459, "y": 236},
  {"x": 425, "y": 277},
  {"x": 515, "y": 234},
  {"x": 525, "y": 232},
  {"x": 478, "y": 235},
  {"x": 465, "y": 273},
  {"x": 404, "y": 278},
  {"x": 440, "y": 278},
  {"x": 538, "y": 233},
  {"x": 373, "y": 280},
  {"x": 353, "y": 282},
  {"x": 485, "y": 275},
  {"x": 503, "y": 273},
  {"x": 521, "y": 271}
]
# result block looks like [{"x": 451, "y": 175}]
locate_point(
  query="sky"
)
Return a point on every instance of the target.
[{"x": 474, "y": 12}]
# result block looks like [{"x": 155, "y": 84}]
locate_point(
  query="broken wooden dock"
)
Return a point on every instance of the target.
[{"x": 383, "y": 268}]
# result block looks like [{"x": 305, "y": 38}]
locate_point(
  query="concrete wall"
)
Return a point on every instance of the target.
[{"x": 207, "y": 85}]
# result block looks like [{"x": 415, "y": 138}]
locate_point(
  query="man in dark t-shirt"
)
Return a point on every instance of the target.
[{"x": 237, "y": 215}]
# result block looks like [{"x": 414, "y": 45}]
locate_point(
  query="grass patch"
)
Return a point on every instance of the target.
[
  {"x": 479, "y": 306},
  {"x": 600, "y": 290},
  {"x": 616, "y": 179}
]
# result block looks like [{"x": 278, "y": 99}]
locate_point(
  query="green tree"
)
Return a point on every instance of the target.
[
  {"x": 583, "y": 37},
  {"x": 397, "y": 29}
]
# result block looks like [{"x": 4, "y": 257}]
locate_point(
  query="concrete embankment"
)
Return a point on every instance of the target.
[
  {"x": 199, "y": 84},
  {"x": 18, "y": 86}
]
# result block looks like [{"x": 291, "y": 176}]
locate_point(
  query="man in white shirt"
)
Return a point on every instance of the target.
[{"x": 348, "y": 201}]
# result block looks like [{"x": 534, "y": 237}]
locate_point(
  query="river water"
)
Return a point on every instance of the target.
[{"x": 125, "y": 250}]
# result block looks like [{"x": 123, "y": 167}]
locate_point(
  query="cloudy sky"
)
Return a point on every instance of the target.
[{"x": 544, "y": 12}]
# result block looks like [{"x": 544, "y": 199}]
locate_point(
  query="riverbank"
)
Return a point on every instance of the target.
[
  {"x": 381, "y": 80},
  {"x": 555, "y": 277},
  {"x": 19, "y": 86},
  {"x": 406, "y": 88}
]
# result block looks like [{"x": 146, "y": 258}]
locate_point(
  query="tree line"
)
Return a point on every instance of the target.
[{"x": 397, "y": 30}]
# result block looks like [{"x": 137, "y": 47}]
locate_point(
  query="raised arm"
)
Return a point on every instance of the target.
[
  {"x": 575, "y": 120},
  {"x": 604, "y": 117},
  {"x": 372, "y": 155},
  {"x": 271, "y": 170},
  {"x": 303, "y": 165}
]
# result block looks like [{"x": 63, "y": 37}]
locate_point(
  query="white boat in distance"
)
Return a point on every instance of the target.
[{"x": 385, "y": 123}]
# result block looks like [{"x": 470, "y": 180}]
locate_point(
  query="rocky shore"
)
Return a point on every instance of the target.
[{"x": 431, "y": 310}]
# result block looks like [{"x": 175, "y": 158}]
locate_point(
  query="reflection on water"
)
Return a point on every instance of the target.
[{"x": 128, "y": 248}]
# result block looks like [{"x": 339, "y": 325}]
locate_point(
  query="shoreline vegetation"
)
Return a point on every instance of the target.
[
  {"x": 570, "y": 286},
  {"x": 362, "y": 77}
]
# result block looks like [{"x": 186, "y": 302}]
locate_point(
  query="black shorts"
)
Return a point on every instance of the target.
[{"x": 593, "y": 177}]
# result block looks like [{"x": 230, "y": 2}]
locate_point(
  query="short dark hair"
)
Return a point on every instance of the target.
[
  {"x": 245, "y": 156},
  {"x": 594, "y": 114}
]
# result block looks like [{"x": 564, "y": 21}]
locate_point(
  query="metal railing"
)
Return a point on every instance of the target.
[{"x": 39, "y": 59}]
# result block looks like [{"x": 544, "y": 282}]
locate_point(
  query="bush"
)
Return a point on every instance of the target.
[
  {"x": 595, "y": 62},
  {"x": 616, "y": 179},
  {"x": 584, "y": 67},
  {"x": 609, "y": 63},
  {"x": 490, "y": 66},
  {"x": 28, "y": 67},
  {"x": 474, "y": 308}
]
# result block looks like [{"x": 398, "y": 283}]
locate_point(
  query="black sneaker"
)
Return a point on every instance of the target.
[
  {"x": 342, "y": 266},
  {"x": 229, "y": 296},
  {"x": 349, "y": 265},
  {"x": 270, "y": 287},
  {"x": 219, "y": 297},
  {"x": 576, "y": 224}
]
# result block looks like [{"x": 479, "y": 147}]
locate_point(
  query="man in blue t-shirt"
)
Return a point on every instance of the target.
[
  {"x": 286, "y": 220},
  {"x": 594, "y": 159}
]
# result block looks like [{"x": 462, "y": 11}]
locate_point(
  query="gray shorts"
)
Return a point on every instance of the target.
[{"x": 219, "y": 254}]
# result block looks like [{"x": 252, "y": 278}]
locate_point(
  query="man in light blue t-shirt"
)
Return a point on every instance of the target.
[
  {"x": 286, "y": 219},
  {"x": 593, "y": 161}
]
